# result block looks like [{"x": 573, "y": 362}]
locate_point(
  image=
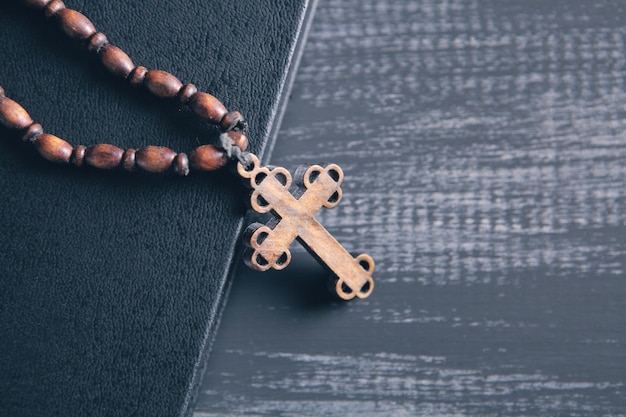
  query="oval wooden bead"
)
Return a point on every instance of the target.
[
  {"x": 138, "y": 75},
  {"x": 116, "y": 61},
  {"x": 53, "y": 149},
  {"x": 33, "y": 131},
  {"x": 78, "y": 157},
  {"x": 207, "y": 107},
  {"x": 239, "y": 139},
  {"x": 155, "y": 158},
  {"x": 75, "y": 24},
  {"x": 12, "y": 115},
  {"x": 207, "y": 158},
  {"x": 181, "y": 164},
  {"x": 162, "y": 84},
  {"x": 96, "y": 42},
  {"x": 233, "y": 120},
  {"x": 185, "y": 93},
  {"x": 103, "y": 156},
  {"x": 36, "y": 4},
  {"x": 53, "y": 8},
  {"x": 128, "y": 160}
]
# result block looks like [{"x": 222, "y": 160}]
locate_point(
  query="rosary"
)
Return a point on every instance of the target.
[{"x": 289, "y": 203}]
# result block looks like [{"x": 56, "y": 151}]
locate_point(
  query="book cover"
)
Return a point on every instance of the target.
[{"x": 111, "y": 283}]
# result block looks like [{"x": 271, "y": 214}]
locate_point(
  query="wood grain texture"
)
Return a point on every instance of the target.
[
  {"x": 291, "y": 216},
  {"x": 483, "y": 145}
]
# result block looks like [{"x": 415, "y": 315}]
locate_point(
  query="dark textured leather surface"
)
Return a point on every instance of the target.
[{"x": 111, "y": 284}]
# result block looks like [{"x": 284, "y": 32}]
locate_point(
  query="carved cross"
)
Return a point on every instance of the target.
[{"x": 293, "y": 218}]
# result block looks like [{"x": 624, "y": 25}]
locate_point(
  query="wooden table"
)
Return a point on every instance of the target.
[{"x": 483, "y": 144}]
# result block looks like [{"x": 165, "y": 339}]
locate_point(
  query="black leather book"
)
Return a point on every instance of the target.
[{"x": 111, "y": 284}]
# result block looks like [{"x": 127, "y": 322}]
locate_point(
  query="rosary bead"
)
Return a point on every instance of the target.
[
  {"x": 128, "y": 160},
  {"x": 12, "y": 115},
  {"x": 181, "y": 166},
  {"x": 33, "y": 130},
  {"x": 96, "y": 42},
  {"x": 75, "y": 24},
  {"x": 53, "y": 8},
  {"x": 116, "y": 61},
  {"x": 239, "y": 139},
  {"x": 78, "y": 157},
  {"x": 162, "y": 84},
  {"x": 207, "y": 158},
  {"x": 155, "y": 158},
  {"x": 53, "y": 149},
  {"x": 104, "y": 156},
  {"x": 207, "y": 107},
  {"x": 36, "y": 4},
  {"x": 138, "y": 75},
  {"x": 185, "y": 93},
  {"x": 233, "y": 120}
]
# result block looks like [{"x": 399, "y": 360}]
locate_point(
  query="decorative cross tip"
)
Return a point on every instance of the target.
[{"x": 293, "y": 217}]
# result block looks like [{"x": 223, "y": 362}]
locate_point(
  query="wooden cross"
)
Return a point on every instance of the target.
[{"x": 294, "y": 218}]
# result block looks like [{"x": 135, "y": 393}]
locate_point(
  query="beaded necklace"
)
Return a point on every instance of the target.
[{"x": 290, "y": 210}]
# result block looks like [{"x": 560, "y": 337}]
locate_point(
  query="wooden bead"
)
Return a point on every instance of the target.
[
  {"x": 53, "y": 149},
  {"x": 75, "y": 24},
  {"x": 155, "y": 158},
  {"x": 116, "y": 61},
  {"x": 103, "y": 156},
  {"x": 96, "y": 42},
  {"x": 239, "y": 139},
  {"x": 186, "y": 93},
  {"x": 128, "y": 160},
  {"x": 78, "y": 157},
  {"x": 36, "y": 4},
  {"x": 207, "y": 107},
  {"x": 33, "y": 131},
  {"x": 181, "y": 164},
  {"x": 207, "y": 158},
  {"x": 137, "y": 76},
  {"x": 12, "y": 115},
  {"x": 162, "y": 84},
  {"x": 233, "y": 120},
  {"x": 54, "y": 7}
]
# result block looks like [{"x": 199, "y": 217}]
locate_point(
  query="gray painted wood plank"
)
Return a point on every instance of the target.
[{"x": 484, "y": 149}]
